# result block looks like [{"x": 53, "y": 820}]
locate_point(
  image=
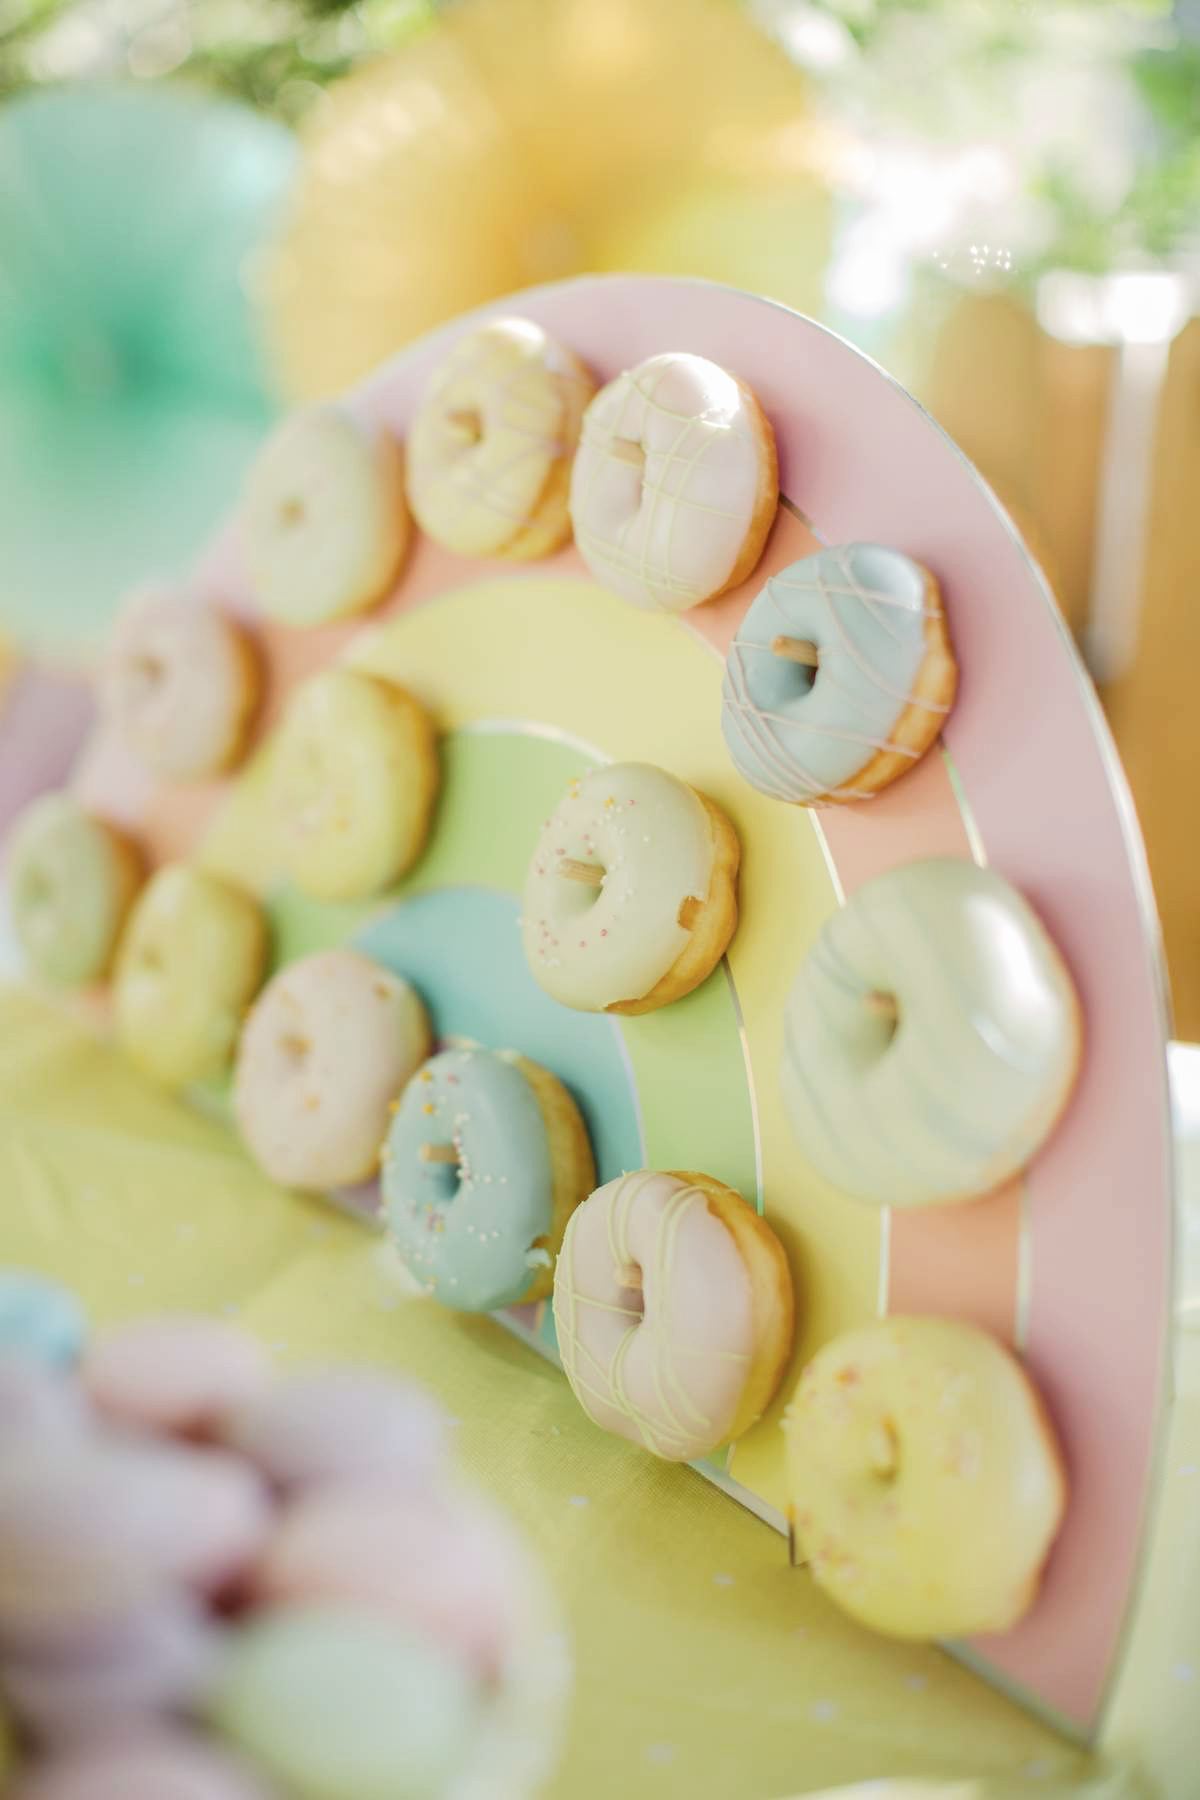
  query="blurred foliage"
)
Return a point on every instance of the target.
[{"x": 1092, "y": 105}]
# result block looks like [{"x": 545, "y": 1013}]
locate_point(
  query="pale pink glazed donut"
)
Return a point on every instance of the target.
[
  {"x": 90, "y": 1531},
  {"x": 157, "y": 1764},
  {"x": 340, "y": 1425},
  {"x": 162, "y": 1659},
  {"x": 176, "y": 1374},
  {"x": 437, "y": 1562},
  {"x": 36, "y": 1402}
]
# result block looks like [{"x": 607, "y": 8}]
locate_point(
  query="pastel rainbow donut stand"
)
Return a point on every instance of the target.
[{"x": 633, "y": 897}]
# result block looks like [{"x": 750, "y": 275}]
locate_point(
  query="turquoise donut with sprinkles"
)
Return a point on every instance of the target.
[{"x": 486, "y": 1158}]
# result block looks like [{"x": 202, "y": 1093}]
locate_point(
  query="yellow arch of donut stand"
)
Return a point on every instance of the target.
[{"x": 559, "y": 655}]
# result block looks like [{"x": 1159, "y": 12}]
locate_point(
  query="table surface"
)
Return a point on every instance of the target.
[{"x": 704, "y": 1666}]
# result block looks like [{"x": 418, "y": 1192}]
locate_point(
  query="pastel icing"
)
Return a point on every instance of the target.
[
  {"x": 327, "y": 1047},
  {"x": 595, "y": 946},
  {"x": 332, "y": 1702},
  {"x": 178, "y": 684},
  {"x": 181, "y": 1373},
  {"x": 674, "y": 479},
  {"x": 39, "y": 1319},
  {"x": 802, "y": 734},
  {"x": 468, "y": 1229},
  {"x": 69, "y": 880},
  {"x": 353, "y": 777},
  {"x": 324, "y": 521},
  {"x": 924, "y": 1485},
  {"x": 154, "y": 1762},
  {"x": 654, "y": 1312},
  {"x": 190, "y": 960},
  {"x": 488, "y": 449},
  {"x": 953, "y": 1085},
  {"x": 340, "y": 1425}
]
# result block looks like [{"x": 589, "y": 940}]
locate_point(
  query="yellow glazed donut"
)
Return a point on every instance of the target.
[
  {"x": 489, "y": 452},
  {"x": 191, "y": 958},
  {"x": 925, "y": 1485},
  {"x": 631, "y": 897},
  {"x": 71, "y": 879},
  {"x": 179, "y": 684},
  {"x": 674, "y": 1309},
  {"x": 324, "y": 522},
  {"x": 675, "y": 484},
  {"x": 354, "y": 777},
  {"x": 328, "y": 1045}
]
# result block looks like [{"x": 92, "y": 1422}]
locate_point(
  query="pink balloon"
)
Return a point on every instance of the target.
[
  {"x": 176, "y": 1374},
  {"x": 340, "y": 1424}
]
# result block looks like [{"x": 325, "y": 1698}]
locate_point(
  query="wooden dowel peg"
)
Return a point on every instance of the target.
[
  {"x": 797, "y": 650},
  {"x": 438, "y": 1153},
  {"x": 590, "y": 874},
  {"x": 793, "y": 1556},
  {"x": 883, "y": 1006}
]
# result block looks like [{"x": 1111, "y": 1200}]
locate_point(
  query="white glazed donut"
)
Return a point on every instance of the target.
[
  {"x": 661, "y": 904},
  {"x": 674, "y": 1310},
  {"x": 324, "y": 520},
  {"x": 330, "y": 1043},
  {"x": 675, "y": 484},
  {"x": 489, "y": 452},
  {"x": 179, "y": 684},
  {"x": 932, "y": 1037},
  {"x": 840, "y": 677}
]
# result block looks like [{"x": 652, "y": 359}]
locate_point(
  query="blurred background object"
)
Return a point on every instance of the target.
[{"x": 1000, "y": 199}]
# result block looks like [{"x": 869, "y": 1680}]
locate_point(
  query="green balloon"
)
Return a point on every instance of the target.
[{"x": 132, "y": 386}]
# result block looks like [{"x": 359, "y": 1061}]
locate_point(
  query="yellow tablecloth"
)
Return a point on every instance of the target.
[{"x": 704, "y": 1666}]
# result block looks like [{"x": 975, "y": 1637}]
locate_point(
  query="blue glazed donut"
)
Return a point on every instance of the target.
[
  {"x": 39, "y": 1320},
  {"x": 840, "y": 676},
  {"x": 485, "y": 1160}
]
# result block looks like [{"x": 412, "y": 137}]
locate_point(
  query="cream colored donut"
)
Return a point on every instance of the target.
[
  {"x": 675, "y": 484},
  {"x": 631, "y": 896},
  {"x": 190, "y": 961},
  {"x": 925, "y": 1485},
  {"x": 327, "y": 1048},
  {"x": 674, "y": 1310},
  {"x": 179, "y": 684},
  {"x": 932, "y": 1037},
  {"x": 324, "y": 520},
  {"x": 71, "y": 879},
  {"x": 354, "y": 775},
  {"x": 489, "y": 452}
]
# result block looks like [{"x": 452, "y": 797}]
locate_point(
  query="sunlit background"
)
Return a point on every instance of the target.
[{"x": 211, "y": 207}]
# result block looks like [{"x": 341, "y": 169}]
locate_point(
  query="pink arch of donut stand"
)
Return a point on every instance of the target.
[{"x": 1073, "y": 1262}]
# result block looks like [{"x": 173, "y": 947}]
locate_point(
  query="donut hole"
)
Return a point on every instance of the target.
[
  {"x": 883, "y": 1010},
  {"x": 292, "y": 511},
  {"x": 294, "y": 1048},
  {"x": 883, "y": 1450},
  {"x": 150, "y": 959},
  {"x": 466, "y": 424},
  {"x": 147, "y": 671},
  {"x": 629, "y": 1280},
  {"x": 628, "y": 450}
]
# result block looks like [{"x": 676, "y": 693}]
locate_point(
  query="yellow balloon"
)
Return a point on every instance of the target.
[{"x": 521, "y": 141}]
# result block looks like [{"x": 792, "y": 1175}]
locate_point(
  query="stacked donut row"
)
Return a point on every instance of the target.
[{"x": 220, "y": 1583}]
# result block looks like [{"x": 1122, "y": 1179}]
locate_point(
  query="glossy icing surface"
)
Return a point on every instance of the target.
[
  {"x": 467, "y": 1228},
  {"x": 352, "y": 778},
  {"x": 324, "y": 520},
  {"x": 498, "y": 418},
  {"x": 592, "y": 946},
  {"x": 667, "y": 481},
  {"x": 67, "y": 890},
  {"x": 327, "y": 1047},
  {"x": 955, "y": 1092},
  {"x": 653, "y": 1308},
  {"x": 188, "y": 964},
  {"x": 924, "y": 1486},
  {"x": 800, "y": 733},
  {"x": 176, "y": 684}
]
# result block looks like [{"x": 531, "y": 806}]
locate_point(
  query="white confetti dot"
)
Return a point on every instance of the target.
[
  {"x": 822, "y": 1711},
  {"x": 722, "y": 1580},
  {"x": 1036, "y": 1769},
  {"x": 1189, "y": 1468},
  {"x": 579, "y": 1500},
  {"x": 136, "y": 1280},
  {"x": 661, "y": 1754},
  {"x": 1184, "y": 1671},
  {"x": 917, "y": 1683}
]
